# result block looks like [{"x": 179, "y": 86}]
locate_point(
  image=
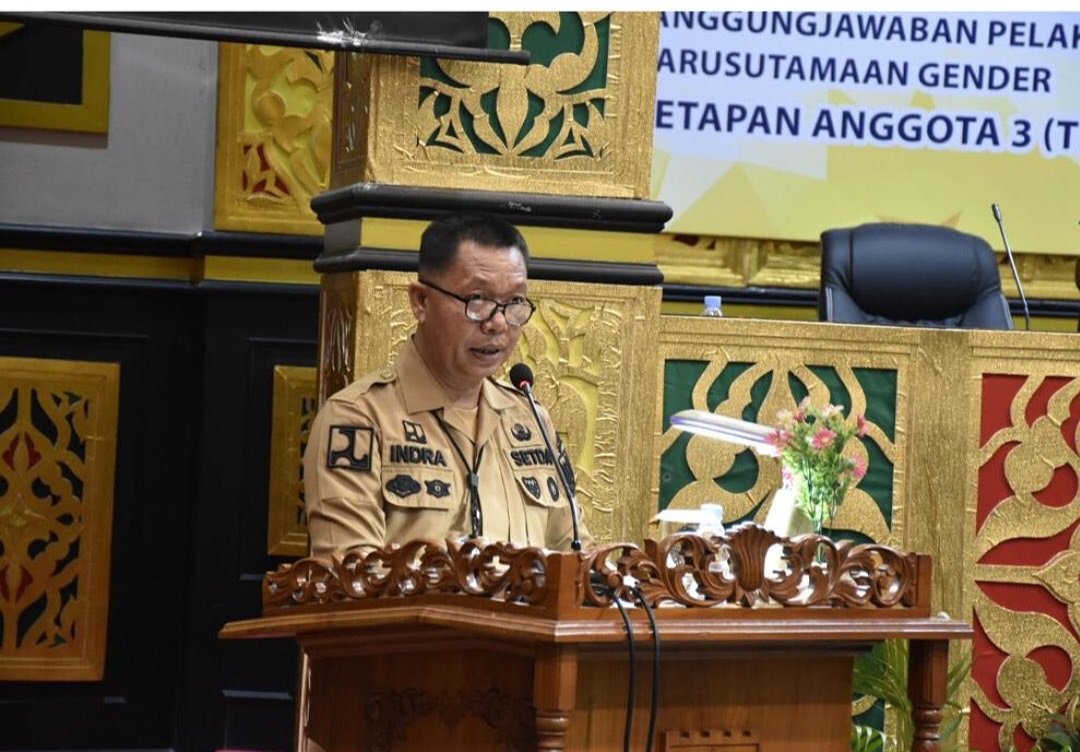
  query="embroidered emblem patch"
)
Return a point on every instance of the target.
[
  {"x": 349, "y": 447},
  {"x": 437, "y": 488},
  {"x": 403, "y": 485},
  {"x": 553, "y": 489},
  {"x": 532, "y": 486},
  {"x": 521, "y": 432},
  {"x": 568, "y": 470},
  {"x": 414, "y": 432}
]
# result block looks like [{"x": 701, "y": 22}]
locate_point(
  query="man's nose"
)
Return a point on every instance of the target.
[{"x": 497, "y": 322}]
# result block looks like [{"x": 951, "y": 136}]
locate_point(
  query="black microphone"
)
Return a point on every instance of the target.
[
  {"x": 521, "y": 376},
  {"x": 1012, "y": 263}
]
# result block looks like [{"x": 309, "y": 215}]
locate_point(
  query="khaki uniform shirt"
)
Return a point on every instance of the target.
[{"x": 380, "y": 467}]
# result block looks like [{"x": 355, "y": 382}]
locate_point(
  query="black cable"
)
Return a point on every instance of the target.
[
  {"x": 476, "y": 514},
  {"x": 632, "y": 683},
  {"x": 654, "y": 706}
]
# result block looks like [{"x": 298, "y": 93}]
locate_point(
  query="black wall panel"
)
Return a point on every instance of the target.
[
  {"x": 246, "y": 688},
  {"x": 190, "y": 510},
  {"x": 151, "y": 332}
]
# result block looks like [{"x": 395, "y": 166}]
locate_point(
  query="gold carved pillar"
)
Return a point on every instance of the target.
[
  {"x": 577, "y": 120},
  {"x": 561, "y": 147}
]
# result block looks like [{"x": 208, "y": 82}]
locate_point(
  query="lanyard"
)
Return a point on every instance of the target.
[{"x": 475, "y": 515}]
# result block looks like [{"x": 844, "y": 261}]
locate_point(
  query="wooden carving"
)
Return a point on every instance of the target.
[
  {"x": 488, "y": 570},
  {"x": 748, "y": 567},
  {"x": 691, "y": 570},
  {"x": 710, "y": 740},
  {"x": 390, "y": 712}
]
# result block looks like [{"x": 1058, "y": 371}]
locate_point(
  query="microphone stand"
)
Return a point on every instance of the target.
[
  {"x": 1012, "y": 264},
  {"x": 575, "y": 544}
]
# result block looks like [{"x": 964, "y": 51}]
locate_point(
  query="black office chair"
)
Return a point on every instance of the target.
[{"x": 910, "y": 275}]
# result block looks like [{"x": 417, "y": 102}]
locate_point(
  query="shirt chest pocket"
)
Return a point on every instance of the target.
[{"x": 419, "y": 488}]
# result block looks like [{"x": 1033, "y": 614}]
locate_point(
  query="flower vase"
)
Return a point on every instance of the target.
[
  {"x": 811, "y": 443},
  {"x": 786, "y": 518},
  {"x": 819, "y": 497}
]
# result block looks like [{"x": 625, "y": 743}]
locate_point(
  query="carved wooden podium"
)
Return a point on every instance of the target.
[{"x": 444, "y": 647}]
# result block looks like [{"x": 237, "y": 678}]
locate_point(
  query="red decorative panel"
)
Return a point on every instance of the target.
[{"x": 1027, "y": 550}]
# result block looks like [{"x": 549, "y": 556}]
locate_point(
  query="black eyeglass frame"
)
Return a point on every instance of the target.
[{"x": 497, "y": 305}]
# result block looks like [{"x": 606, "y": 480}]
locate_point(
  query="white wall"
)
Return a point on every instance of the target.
[{"x": 154, "y": 170}]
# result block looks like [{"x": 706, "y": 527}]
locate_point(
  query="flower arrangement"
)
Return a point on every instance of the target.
[{"x": 810, "y": 443}]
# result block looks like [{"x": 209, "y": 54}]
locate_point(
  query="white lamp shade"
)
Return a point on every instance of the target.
[{"x": 723, "y": 428}]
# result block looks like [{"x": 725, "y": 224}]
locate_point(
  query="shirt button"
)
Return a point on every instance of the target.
[{"x": 387, "y": 373}]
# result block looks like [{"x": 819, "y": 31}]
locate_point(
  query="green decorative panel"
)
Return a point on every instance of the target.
[
  {"x": 576, "y": 120},
  {"x": 555, "y": 109},
  {"x": 694, "y": 469}
]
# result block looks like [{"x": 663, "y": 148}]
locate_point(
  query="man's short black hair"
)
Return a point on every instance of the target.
[{"x": 440, "y": 242}]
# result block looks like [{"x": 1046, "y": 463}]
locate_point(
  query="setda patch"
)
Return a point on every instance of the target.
[
  {"x": 349, "y": 447},
  {"x": 532, "y": 456}
]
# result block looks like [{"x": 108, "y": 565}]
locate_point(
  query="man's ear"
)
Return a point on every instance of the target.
[{"x": 419, "y": 297}]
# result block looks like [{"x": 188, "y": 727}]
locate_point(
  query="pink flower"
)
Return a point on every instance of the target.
[
  {"x": 803, "y": 411},
  {"x": 860, "y": 422},
  {"x": 829, "y": 410},
  {"x": 786, "y": 475},
  {"x": 858, "y": 468},
  {"x": 823, "y": 439},
  {"x": 779, "y": 439}
]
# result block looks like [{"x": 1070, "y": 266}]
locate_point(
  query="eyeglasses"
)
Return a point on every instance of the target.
[{"x": 480, "y": 309}]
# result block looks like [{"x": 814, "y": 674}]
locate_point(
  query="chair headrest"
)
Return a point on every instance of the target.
[{"x": 905, "y": 272}]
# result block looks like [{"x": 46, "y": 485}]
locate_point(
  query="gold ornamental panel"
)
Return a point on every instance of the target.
[
  {"x": 337, "y": 332},
  {"x": 296, "y": 401},
  {"x": 273, "y": 137},
  {"x": 576, "y": 121},
  {"x": 354, "y": 97},
  {"x": 58, "y": 427}
]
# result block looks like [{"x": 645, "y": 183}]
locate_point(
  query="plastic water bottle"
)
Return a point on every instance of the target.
[
  {"x": 712, "y": 306},
  {"x": 711, "y": 525},
  {"x": 711, "y": 521}
]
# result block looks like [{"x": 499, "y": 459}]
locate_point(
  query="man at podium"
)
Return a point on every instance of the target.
[{"x": 432, "y": 446}]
